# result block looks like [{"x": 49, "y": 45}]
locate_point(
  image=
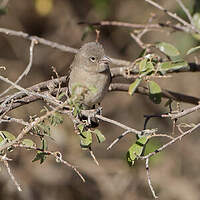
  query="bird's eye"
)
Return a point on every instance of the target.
[{"x": 92, "y": 58}]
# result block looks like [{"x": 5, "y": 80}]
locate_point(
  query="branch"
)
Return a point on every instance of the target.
[
  {"x": 165, "y": 93},
  {"x": 176, "y": 27},
  {"x": 172, "y": 141},
  {"x": 174, "y": 16},
  {"x": 26, "y": 71},
  {"x": 187, "y": 12}
]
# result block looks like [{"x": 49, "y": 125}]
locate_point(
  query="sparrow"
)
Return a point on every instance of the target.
[{"x": 90, "y": 75}]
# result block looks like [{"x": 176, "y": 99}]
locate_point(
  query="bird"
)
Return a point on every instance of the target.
[{"x": 90, "y": 75}]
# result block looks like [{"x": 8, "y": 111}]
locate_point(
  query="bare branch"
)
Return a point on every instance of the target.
[
  {"x": 185, "y": 112},
  {"x": 165, "y": 93},
  {"x": 28, "y": 68},
  {"x": 173, "y": 15},
  {"x": 187, "y": 12},
  {"x": 118, "y": 139},
  {"x": 5, "y": 160},
  {"x": 149, "y": 179},
  {"x": 172, "y": 142}
]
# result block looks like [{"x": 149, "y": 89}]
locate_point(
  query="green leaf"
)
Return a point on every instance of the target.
[
  {"x": 81, "y": 127},
  {"x": 86, "y": 31},
  {"x": 55, "y": 119},
  {"x": 44, "y": 144},
  {"x": 3, "y": 11},
  {"x": 5, "y": 135},
  {"x": 192, "y": 50},
  {"x": 28, "y": 143},
  {"x": 149, "y": 69},
  {"x": 154, "y": 92},
  {"x": 143, "y": 53},
  {"x": 86, "y": 139},
  {"x": 41, "y": 156},
  {"x": 100, "y": 137},
  {"x": 143, "y": 64},
  {"x": 133, "y": 86},
  {"x": 136, "y": 150},
  {"x": 44, "y": 128},
  {"x": 196, "y": 22},
  {"x": 168, "y": 49},
  {"x": 172, "y": 66},
  {"x": 60, "y": 96}
]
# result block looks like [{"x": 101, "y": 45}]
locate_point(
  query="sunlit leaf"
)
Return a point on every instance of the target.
[
  {"x": 154, "y": 92},
  {"x": 5, "y": 135},
  {"x": 86, "y": 139},
  {"x": 149, "y": 69},
  {"x": 136, "y": 150},
  {"x": 168, "y": 49},
  {"x": 133, "y": 86},
  {"x": 143, "y": 65},
  {"x": 100, "y": 137},
  {"x": 172, "y": 66},
  {"x": 28, "y": 143},
  {"x": 196, "y": 22},
  {"x": 81, "y": 127}
]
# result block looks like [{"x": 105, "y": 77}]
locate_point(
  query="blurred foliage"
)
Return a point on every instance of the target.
[
  {"x": 44, "y": 7},
  {"x": 102, "y": 7}
]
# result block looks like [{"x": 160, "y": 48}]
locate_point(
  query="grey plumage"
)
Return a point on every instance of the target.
[{"x": 90, "y": 69}]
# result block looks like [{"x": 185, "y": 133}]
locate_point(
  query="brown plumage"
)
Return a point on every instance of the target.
[{"x": 90, "y": 74}]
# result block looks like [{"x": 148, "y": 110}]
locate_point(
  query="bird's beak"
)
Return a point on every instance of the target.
[{"x": 105, "y": 60}]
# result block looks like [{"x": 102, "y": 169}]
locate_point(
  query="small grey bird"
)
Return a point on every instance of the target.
[{"x": 90, "y": 69}]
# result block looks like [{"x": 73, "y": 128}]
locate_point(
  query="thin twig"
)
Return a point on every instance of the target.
[
  {"x": 187, "y": 12},
  {"x": 171, "y": 142},
  {"x": 149, "y": 179},
  {"x": 26, "y": 92},
  {"x": 165, "y": 93},
  {"x": 93, "y": 157},
  {"x": 31, "y": 125},
  {"x": 58, "y": 157},
  {"x": 118, "y": 124},
  {"x": 173, "y": 15},
  {"x": 28, "y": 68},
  {"x": 138, "y": 40},
  {"x": 159, "y": 26},
  {"x": 185, "y": 112},
  {"x": 117, "y": 139},
  {"x": 5, "y": 160}
]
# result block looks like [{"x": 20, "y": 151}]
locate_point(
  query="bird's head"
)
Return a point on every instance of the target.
[{"x": 92, "y": 57}]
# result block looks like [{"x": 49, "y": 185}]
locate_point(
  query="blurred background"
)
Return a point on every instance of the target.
[{"x": 174, "y": 172}]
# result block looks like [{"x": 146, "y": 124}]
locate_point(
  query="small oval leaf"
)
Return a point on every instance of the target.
[
  {"x": 196, "y": 22},
  {"x": 168, "y": 49},
  {"x": 142, "y": 66},
  {"x": 100, "y": 137},
  {"x": 28, "y": 143},
  {"x": 6, "y": 135},
  {"x": 154, "y": 92},
  {"x": 136, "y": 150},
  {"x": 133, "y": 86},
  {"x": 172, "y": 66},
  {"x": 86, "y": 139}
]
